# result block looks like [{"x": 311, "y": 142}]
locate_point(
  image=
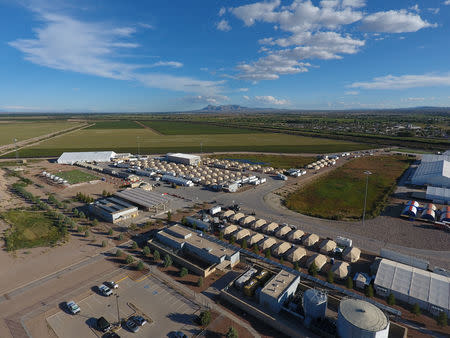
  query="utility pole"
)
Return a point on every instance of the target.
[
  {"x": 118, "y": 313},
  {"x": 367, "y": 173},
  {"x": 201, "y": 148},
  {"x": 17, "y": 154},
  {"x": 138, "y": 145}
]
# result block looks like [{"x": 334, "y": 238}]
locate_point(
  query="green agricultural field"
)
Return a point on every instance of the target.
[
  {"x": 76, "y": 176},
  {"x": 340, "y": 194},
  {"x": 127, "y": 140},
  {"x": 277, "y": 161},
  {"x": 26, "y": 130},
  {"x": 121, "y": 124},
  {"x": 30, "y": 229},
  {"x": 191, "y": 128}
]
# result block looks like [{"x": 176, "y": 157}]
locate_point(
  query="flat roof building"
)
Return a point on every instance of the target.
[
  {"x": 183, "y": 158},
  {"x": 436, "y": 173},
  {"x": 113, "y": 209},
  {"x": 145, "y": 199},
  {"x": 278, "y": 289}
]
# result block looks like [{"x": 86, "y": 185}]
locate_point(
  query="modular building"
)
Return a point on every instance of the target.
[
  {"x": 279, "y": 288},
  {"x": 199, "y": 224},
  {"x": 112, "y": 209},
  {"x": 177, "y": 180},
  {"x": 245, "y": 277},
  {"x": 183, "y": 158},
  {"x": 413, "y": 285}
]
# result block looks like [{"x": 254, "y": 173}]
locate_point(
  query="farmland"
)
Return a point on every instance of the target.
[
  {"x": 26, "y": 130},
  {"x": 76, "y": 176},
  {"x": 277, "y": 161},
  {"x": 189, "y": 128},
  {"x": 340, "y": 194},
  {"x": 128, "y": 140},
  {"x": 119, "y": 124},
  {"x": 30, "y": 229}
]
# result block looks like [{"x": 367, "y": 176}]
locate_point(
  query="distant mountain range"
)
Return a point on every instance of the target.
[{"x": 232, "y": 108}]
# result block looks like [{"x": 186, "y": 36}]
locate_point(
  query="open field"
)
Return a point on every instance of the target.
[
  {"x": 120, "y": 124},
  {"x": 340, "y": 194},
  {"x": 194, "y": 128},
  {"x": 26, "y": 130},
  {"x": 29, "y": 229},
  {"x": 126, "y": 140},
  {"x": 277, "y": 161},
  {"x": 76, "y": 176}
]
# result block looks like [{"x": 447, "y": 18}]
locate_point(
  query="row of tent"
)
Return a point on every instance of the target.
[
  {"x": 54, "y": 178},
  {"x": 428, "y": 212}
]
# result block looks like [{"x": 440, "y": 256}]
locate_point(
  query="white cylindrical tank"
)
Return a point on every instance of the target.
[
  {"x": 358, "y": 318},
  {"x": 314, "y": 304}
]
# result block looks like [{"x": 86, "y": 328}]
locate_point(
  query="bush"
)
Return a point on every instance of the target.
[
  {"x": 256, "y": 249},
  {"x": 134, "y": 246},
  {"x": 140, "y": 266},
  {"x": 391, "y": 299},
  {"x": 133, "y": 227},
  {"x": 232, "y": 333},
  {"x": 169, "y": 216},
  {"x": 281, "y": 260},
  {"x": 205, "y": 318},
  {"x": 79, "y": 228},
  {"x": 81, "y": 215},
  {"x": 221, "y": 235},
  {"x": 110, "y": 232},
  {"x": 296, "y": 267},
  {"x": 86, "y": 233},
  {"x": 415, "y": 309},
  {"x": 167, "y": 261},
  {"x": 442, "y": 319},
  {"x": 146, "y": 251},
  {"x": 244, "y": 244},
  {"x": 200, "y": 282},
  {"x": 119, "y": 253},
  {"x": 369, "y": 291},
  {"x": 156, "y": 255},
  {"x": 330, "y": 277},
  {"x": 120, "y": 237},
  {"x": 130, "y": 259},
  {"x": 349, "y": 283},
  {"x": 183, "y": 272},
  {"x": 268, "y": 254},
  {"x": 104, "y": 244},
  {"x": 232, "y": 240},
  {"x": 95, "y": 222},
  {"x": 312, "y": 270}
]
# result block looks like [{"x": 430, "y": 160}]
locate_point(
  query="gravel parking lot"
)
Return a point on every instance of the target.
[{"x": 168, "y": 310}]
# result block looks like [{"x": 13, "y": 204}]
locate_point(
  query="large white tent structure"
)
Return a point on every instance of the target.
[
  {"x": 436, "y": 173},
  {"x": 86, "y": 156}
]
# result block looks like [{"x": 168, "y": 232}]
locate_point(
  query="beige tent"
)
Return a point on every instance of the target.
[
  {"x": 283, "y": 231},
  {"x": 295, "y": 235},
  {"x": 318, "y": 259},
  {"x": 230, "y": 229},
  {"x": 271, "y": 227},
  {"x": 327, "y": 245},
  {"x": 351, "y": 254},
  {"x": 255, "y": 239},
  {"x": 268, "y": 243},
  {"x": 227, "y": 214},
  {"x": 341, "y": 270},
  {"x": 297, "y": 254},
  {"x": 247, "y": 220},
  {"x": 310, "y": 240},
  {"x": 258, "y": 224},
  {"x": 237, "y": 217},
  {"x": 242, "y": 234},
  {"x": 282, "y": 248}
]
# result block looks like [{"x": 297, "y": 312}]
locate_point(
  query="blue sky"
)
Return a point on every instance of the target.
[{"x": 148, "y": 56}]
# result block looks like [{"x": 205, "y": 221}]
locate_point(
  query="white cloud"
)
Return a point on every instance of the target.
[
  {"x": 413, "y": 99},
  {"x": 415, "y": 8},
  {"x": 145, "y": 25},
  {"x": 404, "y": 81},
  {"x": 354, "y": 3},
  {"x": 21, "y": 108},
  {"x": 400, "y": 21},
  {"x": 205, "y": 99},
  {"x": 246, "y": 97},
  {"x": 65, "y": 43},
  {"x": 223, "y": 26},
  {"x": 222, "y": 11},
  {"x": 270, "y": 100},
  {"x": 447, "y": 2},
  {"x": 243, "y": 89},
  {"x": 434, "y": 10},
  {"x": 174, "y": 64},
  {"x": 352, "y": 92}
]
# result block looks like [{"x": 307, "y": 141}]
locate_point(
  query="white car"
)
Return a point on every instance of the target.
[
  {"x": 73, "y": 307},
  {"x": 106, "y": 291}
]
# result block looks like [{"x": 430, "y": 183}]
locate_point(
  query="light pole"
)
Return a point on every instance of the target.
[
  {"x": 367, "y": 173},
  {"x": 118, "y": 313},
  {"x": 138, "y": 145}
]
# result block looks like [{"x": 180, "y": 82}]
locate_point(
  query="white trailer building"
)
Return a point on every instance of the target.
[{"x": 183, "y": 158}]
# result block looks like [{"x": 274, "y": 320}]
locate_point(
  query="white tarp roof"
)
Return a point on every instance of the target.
[
  {"x": 437, "y": 193},
  {"x": 434, "y": 169},
  {"x": 416, "y": 283},
  {"x": 86, "y": 156}
]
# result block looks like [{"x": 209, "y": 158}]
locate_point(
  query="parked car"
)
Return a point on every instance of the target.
[
  {"x": 104, "y": 290},
  {"x": 139, "y": 320},
  {"x": 132, "y": 326},
  {"x": 73, "y": 307},
  {"x": 103, "y": 325},
  {"x": 180, "y": 334},
  {"x": 111, "y": 285},
  {"x": 111, "y": 335}
]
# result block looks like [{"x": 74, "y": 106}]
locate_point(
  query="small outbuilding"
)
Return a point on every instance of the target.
[
  {"x": 237, "y": 217},
  {"x": 270, "y": 228},
  {"x": 318, "y": 259},
  {"x": 281, "y": 248},
  {"x": 327, "y": 246},
  {"x": 227, "y": 214},
  {"x": 310, "y": 240},
  {"x": 296, "y": 255},
  {"x": 341, "y": 270},
  {"x": 282, "y": 231},
  {"x": 295, "y": 235},
  {"x": 268, "y": 243},
  {"x": 351, "y": 254}
]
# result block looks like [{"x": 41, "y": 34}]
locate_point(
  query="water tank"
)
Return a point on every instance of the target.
[
  {"x": 314, "y": 304},
  {"x": 358, "y": 318}
]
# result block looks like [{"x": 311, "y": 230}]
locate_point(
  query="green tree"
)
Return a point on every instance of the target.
[
  {"x": 330, "y": 277},
  {"x": 232, "y": 333},
  {"x": 349, "y": 283},
  {"x": 391, "y": 299},
  {"x": 184, "y": 221},
  {"x": 95, "y": 222},
  {"x": 183, "y": 272},
  {"x": 221, "y": 235},
  {"x": 104, "y": 193},
  {"x": 232, "y": 240},
  {"x": 76, "y": 213},
  {"x": 169, "y": 216},
  {"x": 133, "y": 227},
  {"x": 110, "y": 232},
  {"x": 119, "y": 253},
  {"x": 146, "y": 251},
  {"x": 244, "y": 244},
  {"x": 281, "y": 260},
  {"x": 140, "y": 266},
  {"x": 167, "y": 261},
  {"x": 200, "y": 282},
  {"x": 82, "y": 215},
  {"x": 256, "y": 249},
  {"x": 268, "y": 254},
  {"x": 442, "y": 319},
  {"x": 296, "y": 267},
  {"x": 121, "y": 237},
  {"x": 369, "y": 291},
  {"x": 104, "y": 244},
  {"x": 130, "y": 259},
  {"x": 86, "y": 233},
  {"x": 134, "y": 245},
  {"x": 205, "y": 318},
  {"x": 415, "y": 309},
  {"x": 156, "y": 255},
  {"x": 312, "y": 270}
]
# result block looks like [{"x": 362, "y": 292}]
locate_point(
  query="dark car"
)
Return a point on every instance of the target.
[
  {"x": 139, "y": 320},
  {"x": 132, "y": 326},
  {"x": 103, "y": 325},
  {"x": 111, "y": 335}
]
